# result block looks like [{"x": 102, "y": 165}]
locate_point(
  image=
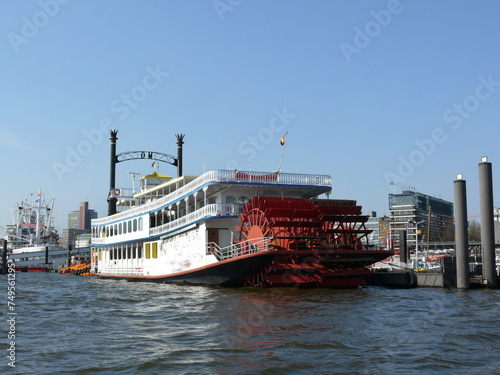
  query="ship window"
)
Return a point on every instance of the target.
[
  {"x": 140, "y": 223},
  {"x": 242, "y": 199},
  {"x": 124, "y": 227},
  {"x": 129, "y": 252},
  {"x": 130, "y": 226},
  {"x": 139, "y": 250},
  {"x": 135, "y": 225},
  {"x": 116, "y": 253},
  {"x": 148, "y": 251},
  {"x": 230, "y": 199},
  {"x": 212, "y": 200},
  {"x": 111, "y": 257},
  {"x": 155, "y": 250},
  {"x": 116, "y": 229},
  {"x": 119, "y": 253},
  {"x": 134, "y": 251}
]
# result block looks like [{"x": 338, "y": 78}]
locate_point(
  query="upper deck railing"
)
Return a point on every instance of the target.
[{"x": 224, "y": 176}]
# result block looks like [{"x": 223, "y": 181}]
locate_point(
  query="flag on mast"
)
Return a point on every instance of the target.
[
  {"x": 283, "y": 139},
  {"x": 282, "y": 142}
]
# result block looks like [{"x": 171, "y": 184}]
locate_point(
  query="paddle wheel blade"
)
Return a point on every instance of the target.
[{"x": 318, "y": 243}]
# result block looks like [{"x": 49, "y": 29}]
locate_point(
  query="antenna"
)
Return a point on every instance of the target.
[{"x": 133, "y": 180}]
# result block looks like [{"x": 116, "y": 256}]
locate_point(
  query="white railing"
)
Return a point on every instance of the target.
[
  {"x": 210, "y": 210},
  {"x": 119, "y": 271},
  {"x": 239, "y": 249},
  {"x": 271, "y": 178}
]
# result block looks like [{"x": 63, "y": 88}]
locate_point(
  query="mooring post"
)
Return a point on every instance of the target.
[
  {"x": 403, "y": 248},
  {"x": 68, "y": 256},
  {"x": 461, "y": 235},
  {"x": 4, "y": 258},
  {"x": 487, "y": 223}
]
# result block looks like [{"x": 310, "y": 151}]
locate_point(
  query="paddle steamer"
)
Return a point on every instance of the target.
[{"x": 231, "y": 228}]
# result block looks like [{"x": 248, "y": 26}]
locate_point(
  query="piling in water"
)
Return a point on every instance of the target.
[
  {"x": 68, "y": 256},
  {"x": 487, "y": 231},
  {"x": 461, "y": 235},
  {"x": 404, "y": 255},
  {"x": 4, "y": 258}
]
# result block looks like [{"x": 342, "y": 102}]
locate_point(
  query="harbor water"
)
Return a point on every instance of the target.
[{"x": 66, "y": 324}]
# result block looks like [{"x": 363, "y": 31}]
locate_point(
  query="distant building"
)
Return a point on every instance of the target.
[
  {"x": 496, "y": 224},
  {"x": 410, "y": 210},
  {"x": 69, "y": 236},
  {"x": 78, "y": 224},
  {"x": 380, "y": 227},
  {"x": 80, "y": 219}
]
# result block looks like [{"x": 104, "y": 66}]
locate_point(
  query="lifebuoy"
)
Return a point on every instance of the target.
[{"x": 117, "y": 192}]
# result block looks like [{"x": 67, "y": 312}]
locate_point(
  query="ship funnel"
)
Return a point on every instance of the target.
[
  {"x": 111, "y": 199},
  {"x": 180, "y": 142}
]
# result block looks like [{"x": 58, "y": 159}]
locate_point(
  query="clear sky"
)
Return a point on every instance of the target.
[{"x": 370, "y": 92}]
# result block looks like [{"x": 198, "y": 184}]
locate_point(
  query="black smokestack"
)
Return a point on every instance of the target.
[
  {"x": 180, "y": 142},
  {"x": 111, "y": 199}
]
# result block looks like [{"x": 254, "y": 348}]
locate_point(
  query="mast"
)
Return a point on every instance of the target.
[
  {"x": 428, "y": 234},
  {"x": 48, "y": 223},
  {"x": 38, "y": 214}
]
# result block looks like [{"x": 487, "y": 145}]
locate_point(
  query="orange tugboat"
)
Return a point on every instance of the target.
[{"x": 80, "y": 266}]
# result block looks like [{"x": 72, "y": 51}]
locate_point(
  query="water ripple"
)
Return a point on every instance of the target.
[{"x": 73, "y": 325}]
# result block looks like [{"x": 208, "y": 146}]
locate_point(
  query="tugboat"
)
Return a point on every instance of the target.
[{"x": 234, "y": 228}]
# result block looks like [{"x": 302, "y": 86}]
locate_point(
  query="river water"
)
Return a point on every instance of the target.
[{"x": 66, "y": 324}]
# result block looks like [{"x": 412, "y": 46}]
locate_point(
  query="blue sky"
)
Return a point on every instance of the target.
[{"x": 369, "y": 91}]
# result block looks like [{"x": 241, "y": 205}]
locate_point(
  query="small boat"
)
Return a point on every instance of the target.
[{"x": 80, "y": 266}]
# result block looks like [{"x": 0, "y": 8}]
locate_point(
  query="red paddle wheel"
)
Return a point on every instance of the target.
[{"x": 318, "y": 243}]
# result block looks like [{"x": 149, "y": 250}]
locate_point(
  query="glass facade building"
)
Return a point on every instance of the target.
[{"x": 410, "y": 211}]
